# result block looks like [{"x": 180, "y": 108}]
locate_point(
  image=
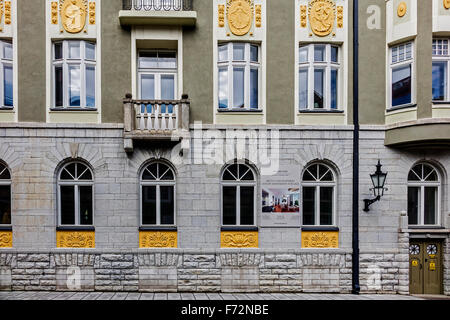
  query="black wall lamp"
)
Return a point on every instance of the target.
[{"x": 378, "y": 180}]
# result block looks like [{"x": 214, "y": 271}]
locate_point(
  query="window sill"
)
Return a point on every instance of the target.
[
  {"x": 6, "y": 109},
  {"x": 320, "y": 228},
  {"x": 5, "y": 228},
  {"x": 74, "y": 109},
  {"x": 238, "y": 228},
  {"x": 445, "y": 103},
  {"x": 75, "y": 228},
  {"x": 239, "y": 110},
  {"x": 158, "y": 228},
  {"x": 321, "y": 111},
  {"x": 403, "y": 106}
]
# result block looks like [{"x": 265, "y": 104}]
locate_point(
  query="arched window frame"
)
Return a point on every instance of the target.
[
  {"x": 238, "y": 183},
  {"x": 76, "y": 183},
  {"x": 422, "y": 184},
  {"x": 6, "y": 182},
  {"x": 318, "y": 184},
  {"x": 158, "y": 183}
]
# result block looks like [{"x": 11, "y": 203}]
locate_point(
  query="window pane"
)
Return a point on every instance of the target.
[
  {"x": 238, "y": 51},
  {"x": 247, "y": 205},
  {"x": 167, "y": 87},
  {"x": 148, "y": 60},
  {"x": 58, "y": 50},
  {"x": 254, "y": 54},
  {"x": 309, "y": 200},
  {"x": 413, "y": 205},
  {"x": 401, "y": 85},
  {"x": 74, "y": 50},
  {"x": 430, "y": 205},
  {"x": 439, "y": 80},
  {"x": 229, "y": 205},
  {"x": 334, "y": 54},
  {"x": 223, "y": 53},
  {"x": 254, "y": 81},
  {"x": 303, "y": 54},
  {"x": 90, "y": 51},
  {"x": 8, "y": 86},
  {"x": 148, "y": 87},
  {"x": 334, "y": 89},
  {"x": 7, "y": 50},
  {"x": 318, "y": 88},
  {"x": 223, "y": 88},
  {"x": 303, "y": 89},
  {"x": 85, "y": 205},
  {"x": 167, "y": 205},
  {"x": 90, "y": 86},
  {"x": 5, "y": 204},
  {"x": 319, "y": 53},
  {"x": 167, "y": 60},
  {"x": 148, "y": 205},
  {"x": 238, "y": 88},
  {"x": 74, "y": 86},
  {"x": 67, "y": 205},
  {"x": 58, "y": 86},
  {"x": 326, "y": 206}
]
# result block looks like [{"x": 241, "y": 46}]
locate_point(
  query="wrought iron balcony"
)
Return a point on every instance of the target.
[
  {"x": 155, "y": 120},
  {"x": 158, "y": 12}
]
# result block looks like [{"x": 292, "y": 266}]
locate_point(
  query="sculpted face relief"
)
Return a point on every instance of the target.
[
  {"x": 73, "y": 15},
  {"x": 321, "y": 17},
  {"x": 240, "y": 16}
]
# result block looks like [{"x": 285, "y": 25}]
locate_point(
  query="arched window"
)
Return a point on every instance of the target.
[
  {"x": 5, "y": 195},
  {"x": 423, "y": 195},
  {"x": 76, "y": 194},
  {"x": 319, "y": 193},
  {"x": 158, "y": 195},
  {"x": 238, "y": 195}
]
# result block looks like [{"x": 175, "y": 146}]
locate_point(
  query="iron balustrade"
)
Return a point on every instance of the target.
[{"x": 158, "y": 5}]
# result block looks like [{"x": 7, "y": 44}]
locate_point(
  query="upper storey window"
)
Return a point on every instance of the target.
[
  {"x": 239, "y": 76},
  {"x": 401, "y": 74},
  {"x": 319, "y": 69},
  {"x": 441, "y": 65},
  {"x": 74, "y": 74},
  {"x": 158, "y": 5},
  {"x": 6, "y": 74},
  {"x": 5, "y": 195}
]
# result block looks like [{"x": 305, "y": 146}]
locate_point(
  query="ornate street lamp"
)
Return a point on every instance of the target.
[{"x": 378, "y": 180}]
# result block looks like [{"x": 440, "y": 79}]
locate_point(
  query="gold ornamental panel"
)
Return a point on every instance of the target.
[
  {"x": 303, "y": 16},
  {"x": 6, "y": 239},
  {"x": 340, "y": 16},
  {"x": 221, "y": 15},
  {"x": 73, "y": 15},
  {"x": 7, "y": 12},
  {"x": 320, "y": 239},
  {"x": 240, "y": 16},
  {"x": 258, "y": 18},
  {"x": 1, "y": 11},
  {"x": 322, "y": 16},
  {"x": 158, "y": 239},
  {"x": 401, "y": 9},
  {"x": 447, "y": 4},
  {"x": 54, "y": 14},
  {"x": 91, "y": 12},
  {"x": 75, "y": 239},
  {"x": 239, "y": 239}
]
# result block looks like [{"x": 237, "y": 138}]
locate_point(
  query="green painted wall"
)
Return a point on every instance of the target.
[
  {"x": 31, "y": 60},
  {"x": 198, "y": 63},
  {"x": 116, "y": 62},
  {"x": 280, "y": 61}
]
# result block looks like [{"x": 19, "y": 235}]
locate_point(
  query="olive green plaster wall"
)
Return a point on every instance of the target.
[
  {"x": 31, "y": 60},
  {"x": 280, "y": 61},
  {"x": 116, "y": 62},
  {"x": 198, "y": 63}
]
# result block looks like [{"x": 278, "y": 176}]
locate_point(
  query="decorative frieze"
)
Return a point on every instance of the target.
[
  {"x": 322, "y": 239},
  {"x": 6, "y": 239},
  {"x": 322, "y": 15},
  {"x": 401, "y": 9},
  {"x": 239, "y": 239},
  {"x": 240, "y": 16},
  {"x": 75, "y": 239},
  {"x": 258, "y": 18},
  {"x": 54, "y": 13},
  {"x": 91, "y": 12},
  {"x": 221, "y": 15},
  {"x": 73, "y": 15},
  {"x": 158, "y": 239}
]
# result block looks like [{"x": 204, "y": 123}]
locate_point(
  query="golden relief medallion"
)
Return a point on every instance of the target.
[
  {"x": 401, "y": 9},
  {"x": 447, "y": 4},
  {"x": 322, "y": 16},
  {"x": 240, "y": 16},
  {"x": 73, "y": 15}
]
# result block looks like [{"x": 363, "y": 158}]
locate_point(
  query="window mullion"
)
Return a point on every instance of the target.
[
  {"x": 422, "y": 205},
  {"x": 158, "y": 205},
  {"x": 238, "y": 205},
  {"x": 77, "y": 206},
  {"x": 317, "y": 222}
]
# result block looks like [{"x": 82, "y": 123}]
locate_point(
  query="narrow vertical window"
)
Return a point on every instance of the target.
[
  {"x": 5, "y": 195},
  {"x": 6, "y": 69},
  {"x": 441, "y": 67},
  {"x": 401, "y": 74}
]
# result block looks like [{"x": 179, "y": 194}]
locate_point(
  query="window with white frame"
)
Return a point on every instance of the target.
[
  {"x": 401, "y": 68},
  {"x": 423, "y": 195},
  {"x": 74, "y": 74},
  {"x": 5, "y": 195},
  {"x": 238, "y": 195},
  {"x": 158, "y": 192},
  {"x": 319, "y": 194},
  {"x": 319, "y": 72},
  {"x": 76, "y": 195},
  {"x": 441, "y": 66},
  {"x": 6, "y": 74},
  {"x": 239, "y": 76}
]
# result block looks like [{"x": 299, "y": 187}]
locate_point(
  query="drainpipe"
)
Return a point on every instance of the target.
[{"x": 355, "y": 199}]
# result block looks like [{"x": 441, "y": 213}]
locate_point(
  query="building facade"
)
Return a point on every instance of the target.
[{"x": 207, "y": 145}]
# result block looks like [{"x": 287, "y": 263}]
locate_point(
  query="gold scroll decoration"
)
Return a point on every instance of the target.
[
  {"x": 75, "y": 239},
  {"x": 447, "y": 4},
  {"x": 303, "y": 16},
  {"x": 7, "y": 12},
  {"x": 91, "y": 12},
  {"x": 322, "y": 239},
  {"x": 321, "y": 16},
  {"x": 158, "y": 239},
  {"x": 258, "y": 19},
  {"x": 54, "y": 7},
  {"x": 240, "y": 16},
  {"x": 221, "y": 15},
  {"x": 340, "y": 16},
  {"x": 1, "y": 11},
  {"x": 73, "y": 15},
  {"x": 6, "y": 238},
  {"x": 401, "y": 9},
  {"x": 239, "y": 239}
]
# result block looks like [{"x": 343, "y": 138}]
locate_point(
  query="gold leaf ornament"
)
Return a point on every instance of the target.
[
  {"x": 322, "y": 15},
  {"x": 447, "y": 4},
  {"x": 402, "y": 9},
  {"x": 73, "y": 15},
  {"x": 240, "y": 16},
  {"x": 6, "y": 239},
  {"x": 239, "y": 239}
]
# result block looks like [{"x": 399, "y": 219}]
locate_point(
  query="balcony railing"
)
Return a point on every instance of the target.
[
  {"x": 155, "y": 120},
  {"x": 158, "y": 5}
]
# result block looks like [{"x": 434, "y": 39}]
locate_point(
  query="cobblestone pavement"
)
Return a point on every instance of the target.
[{"x": 43, "y": 295}]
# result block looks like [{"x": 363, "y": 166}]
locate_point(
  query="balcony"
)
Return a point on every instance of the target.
[
  {"x": 158, "y": 12},
  {"x": 155, "y": 120}
]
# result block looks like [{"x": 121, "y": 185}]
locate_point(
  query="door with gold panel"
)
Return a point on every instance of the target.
[{"x": 425, "y": 267}]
